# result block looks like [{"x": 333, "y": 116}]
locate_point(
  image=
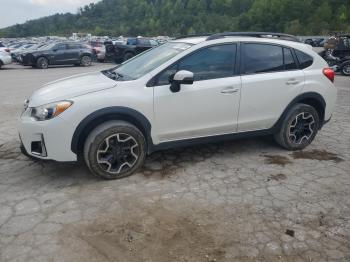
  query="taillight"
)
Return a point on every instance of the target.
[
  {"x": 329, "y": 73},
  {"x": 7, "y": 50}
]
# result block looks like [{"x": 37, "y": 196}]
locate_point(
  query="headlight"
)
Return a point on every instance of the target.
[{"x": 48, "y": 111}]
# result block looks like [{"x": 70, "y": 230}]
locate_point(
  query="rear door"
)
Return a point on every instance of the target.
[{"x": 270, "y": 81}]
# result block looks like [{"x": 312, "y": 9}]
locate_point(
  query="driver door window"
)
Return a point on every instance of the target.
[{"x": 209, "y": 63}]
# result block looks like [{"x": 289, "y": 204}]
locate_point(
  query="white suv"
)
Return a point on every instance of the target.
[{"x": 190, "y": 90}]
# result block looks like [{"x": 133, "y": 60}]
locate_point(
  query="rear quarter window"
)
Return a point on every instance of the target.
[{"x": 304, "y": 60}]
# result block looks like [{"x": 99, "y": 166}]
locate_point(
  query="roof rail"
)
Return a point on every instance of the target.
[
  {"x": 192, "y": 35},
  {"x": 255, "y": 34}
]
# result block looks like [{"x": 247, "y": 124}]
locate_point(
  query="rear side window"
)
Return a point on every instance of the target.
[
  {"x": 259, "y": 58},
  {"x": 304, "y": 59},
  {"x": 144, "y": 41},
  {"x": 60, "y": 46}
]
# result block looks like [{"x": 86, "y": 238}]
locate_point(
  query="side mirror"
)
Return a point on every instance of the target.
[
  {"x": 182, "y": 77},
  {"x": 55, "y": 49}
]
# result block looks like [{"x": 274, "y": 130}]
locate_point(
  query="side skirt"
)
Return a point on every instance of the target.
[{"x": 208, "y": 140}]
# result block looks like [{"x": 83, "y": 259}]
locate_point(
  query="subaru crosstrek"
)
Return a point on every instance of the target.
[{"x": 189, "y": 90}]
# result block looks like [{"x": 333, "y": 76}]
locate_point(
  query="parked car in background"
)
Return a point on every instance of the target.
[
  {"x": 3, "y": 48},
  {"x": 132, "y": 47},
  {"x": 5, "y": 58},
  {"x": 62, "y": 53},
  {"x": 190, "y": 90},
  {"x": 18, "y": 53},
  {"x": 99, "y": 50}
]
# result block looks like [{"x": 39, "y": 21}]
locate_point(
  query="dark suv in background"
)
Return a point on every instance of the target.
[
  {"x": 62, "y": 53},
  {"x": 133, "y": 46}
]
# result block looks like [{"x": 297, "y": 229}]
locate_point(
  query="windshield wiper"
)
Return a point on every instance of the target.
[{"x": 112, "y": 74}]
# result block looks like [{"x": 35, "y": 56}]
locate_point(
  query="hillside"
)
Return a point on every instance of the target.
[{"x": 177, "y": 17}]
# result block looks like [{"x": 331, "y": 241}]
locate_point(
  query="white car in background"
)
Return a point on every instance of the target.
[
  {"x": 186, "y": 91},
  {"x": 3, "y": 48},
  {"x": 99, "y": 49},
  {"x": 5, "y": 58}
]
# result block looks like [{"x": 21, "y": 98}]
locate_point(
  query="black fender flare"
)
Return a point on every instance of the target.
[
  {"x": 300, "y": 98},
  {"x": 110, "y": 113}
]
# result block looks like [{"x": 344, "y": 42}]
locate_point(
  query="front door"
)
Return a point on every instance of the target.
[
  {"x": 207, "y": 107},
  {"x": 59, "y": 54}
]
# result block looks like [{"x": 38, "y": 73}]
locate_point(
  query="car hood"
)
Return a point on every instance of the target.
[{"x": 70, "y": 87}]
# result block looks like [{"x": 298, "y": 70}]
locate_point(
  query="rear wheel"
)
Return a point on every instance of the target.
[
  {"x": 85, "y": 60},
  {"x": 114, "y": 150},
  {"x": 345, "y": 70},
  {"x": 299, "y": 127},
  {"x": 42, "y": 63}
]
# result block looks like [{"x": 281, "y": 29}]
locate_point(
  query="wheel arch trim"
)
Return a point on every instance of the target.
[
  {"x": 110, "y": 113},
  {"x": 300, "y": 98}
]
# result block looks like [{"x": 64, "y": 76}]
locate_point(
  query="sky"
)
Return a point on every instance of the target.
[{"x": 18, "y": 11}]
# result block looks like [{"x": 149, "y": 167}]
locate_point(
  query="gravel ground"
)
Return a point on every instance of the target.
[{"x": 245, "y": 200}]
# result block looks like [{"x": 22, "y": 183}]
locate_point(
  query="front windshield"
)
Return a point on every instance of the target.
[{"x": 147, "y": 61}]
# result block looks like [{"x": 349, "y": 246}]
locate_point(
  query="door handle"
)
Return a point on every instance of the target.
[
  {"x": 292, "y": 82},
  {"x": 229, "y": 90}
]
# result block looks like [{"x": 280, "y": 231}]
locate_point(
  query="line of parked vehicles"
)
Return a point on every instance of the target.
[{"x": 44, "y": 54}]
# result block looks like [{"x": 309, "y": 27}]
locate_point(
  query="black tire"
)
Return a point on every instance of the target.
[
  {"x": 42, "y": 63},
  {"x": 345, "y": 69},
  {"x": 85, "y": 60},
  {"x": 299, "y": 127},
  {"x": 1, "y": 64},
  {"x": 127, "y": 56},
  {"x": 121, "y": 159}
]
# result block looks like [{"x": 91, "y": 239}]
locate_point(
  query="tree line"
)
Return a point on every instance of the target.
[{"x": 181, "y": 17}]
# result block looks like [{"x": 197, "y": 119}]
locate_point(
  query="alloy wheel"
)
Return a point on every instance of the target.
[
  {"x": 86, "y": 61},
  {"x": 302, "y": 128},
  {"x": 118, "y": 153}
]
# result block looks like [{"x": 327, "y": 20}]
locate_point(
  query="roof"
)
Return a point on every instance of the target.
[
  {"x": 196, "y": 39},
  {"x": 191, "y": 40}
]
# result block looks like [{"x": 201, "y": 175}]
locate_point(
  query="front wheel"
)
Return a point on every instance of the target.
[
  {"x": 299, "y": 127},
  {"x": 42, "y": 63},
  {"x": 345, "y": 70},
  {"x": 85, "y": 60},
  {"x": 114, "y": 150}
]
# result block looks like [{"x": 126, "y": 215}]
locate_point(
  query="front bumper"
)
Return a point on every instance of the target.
[{"x": 48, "y": 140}]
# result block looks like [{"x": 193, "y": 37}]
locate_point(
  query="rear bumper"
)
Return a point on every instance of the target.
[{"x": 6, "y": 59}]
